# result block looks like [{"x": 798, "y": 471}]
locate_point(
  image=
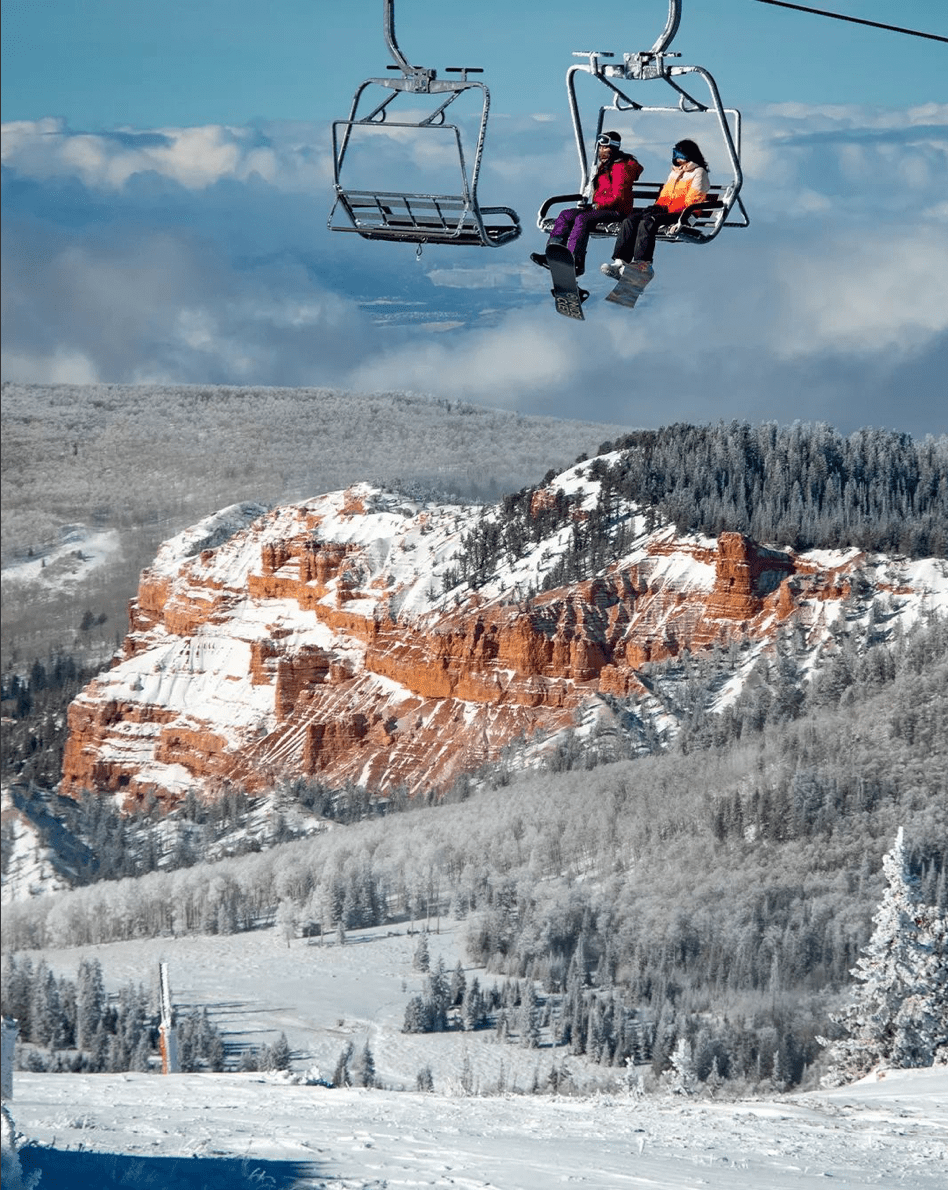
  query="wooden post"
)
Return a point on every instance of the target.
[{"x": 168, "y": 1038}]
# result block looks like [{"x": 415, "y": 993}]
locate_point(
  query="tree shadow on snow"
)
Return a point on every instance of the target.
[{"x": 67, "y": 1169}]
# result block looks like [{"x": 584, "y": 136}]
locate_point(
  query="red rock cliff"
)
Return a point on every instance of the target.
[{"x": 318, "y": 640}]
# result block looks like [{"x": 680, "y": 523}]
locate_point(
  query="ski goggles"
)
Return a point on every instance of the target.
[
  {"x": 678, "y": 155},
  {"x": 607, "y": 140}
]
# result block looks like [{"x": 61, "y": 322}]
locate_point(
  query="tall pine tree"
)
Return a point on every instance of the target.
[{"x": 898, "y": 1014}]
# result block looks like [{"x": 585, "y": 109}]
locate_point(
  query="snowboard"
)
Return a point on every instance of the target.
[
  {"x": 567, "y": 296},
  {"x": 629, "y": 288}
]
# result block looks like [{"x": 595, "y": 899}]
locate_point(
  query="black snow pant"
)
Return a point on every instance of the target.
[{"x": 636, "y": 238}]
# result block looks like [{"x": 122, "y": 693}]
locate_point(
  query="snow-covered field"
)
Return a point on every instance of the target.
[
  {"x": 236, "y": 1130},
  {"x": 247, "y": 1129},
  {"x": 71, "y": 562}
]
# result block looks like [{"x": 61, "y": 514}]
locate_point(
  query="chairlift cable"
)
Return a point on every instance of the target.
[{"x": 855, "y": 20}]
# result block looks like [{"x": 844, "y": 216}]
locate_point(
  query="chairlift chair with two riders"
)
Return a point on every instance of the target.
[
  {"x": 417, "y": 217},
  {"x": 701, "y": 222}
]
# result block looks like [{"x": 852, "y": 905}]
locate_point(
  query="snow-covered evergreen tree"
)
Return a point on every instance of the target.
[
  {"x": 898, "y": 1014},
  {"x": 418, "y": 1016},
  {"x": 287, "y": 920},
  {"x": 923, "y": 1017},
  {"x": 421, "y": 960},
  {"x": 529, "y": 1025},
  {"x": 363, "y": 1069},
  {"x": 473, "y": 1010},
  {"x": 341, "y": 1076},
  {"x": 278, "y": 1054},
  {"x": 683, "y": 1077},
  {"x": 458, "y": 985}
]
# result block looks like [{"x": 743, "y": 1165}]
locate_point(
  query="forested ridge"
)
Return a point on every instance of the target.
[
  {"x": 711, "y": 882},
  {"x": 802, "y": 486},
  {"x": 146, "y": 461},
  {"x": 636, "y": 904},
  {"x": 806, "y": 486}
]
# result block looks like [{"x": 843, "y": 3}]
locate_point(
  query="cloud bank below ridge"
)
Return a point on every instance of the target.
[{"x": 201, "y": 255}]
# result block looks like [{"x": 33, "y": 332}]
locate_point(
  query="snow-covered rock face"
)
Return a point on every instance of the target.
[
  {"x": 355, "y": 637},
  {"x": 30, "y": 863}
]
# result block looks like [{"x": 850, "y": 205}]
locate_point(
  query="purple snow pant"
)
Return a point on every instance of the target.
[{"x": 573, "y": 226}]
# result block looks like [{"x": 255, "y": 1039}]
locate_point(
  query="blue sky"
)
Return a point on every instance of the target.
[
  {"x": 166, "y": 183},
  {"x": 115, "y": 62}
]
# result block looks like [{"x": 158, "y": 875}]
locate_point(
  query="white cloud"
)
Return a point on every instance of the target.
[
  {"x": 62, "y": 367},
  {"x": 193, "y": 157},
  {"x": 859, "y": 295},
  {"x": 525, "y": 355},
  {"x": 808, "y": 312}
]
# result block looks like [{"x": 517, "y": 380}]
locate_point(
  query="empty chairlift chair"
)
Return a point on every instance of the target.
[{"x": 417, "y": 217}]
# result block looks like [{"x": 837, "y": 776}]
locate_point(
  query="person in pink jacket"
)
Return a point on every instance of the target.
[
  {"x": 609, "y": 198},
  {"x": 687, "y": 184}
]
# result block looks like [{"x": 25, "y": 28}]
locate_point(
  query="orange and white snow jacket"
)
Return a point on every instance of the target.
[{"x": 686, "y": 184}]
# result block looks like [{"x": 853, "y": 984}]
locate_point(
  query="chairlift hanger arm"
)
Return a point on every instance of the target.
[
  {"x": 667, "y": 36},
  {"x": 415, "y": 78},
  {"x": 419, "y": 78}
]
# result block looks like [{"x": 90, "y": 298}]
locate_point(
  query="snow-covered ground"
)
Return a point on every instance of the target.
[
  {"x": 30, "y": 867},
  {"x": 70, "y": 562},
  {"x": 245, "y": 1129},
  {"x": 236, "y": 1130}
]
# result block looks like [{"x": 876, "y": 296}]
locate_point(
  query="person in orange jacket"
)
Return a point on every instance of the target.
[
  {"x": 609, "y": 197},
  {"x": 687, "y": 183}
]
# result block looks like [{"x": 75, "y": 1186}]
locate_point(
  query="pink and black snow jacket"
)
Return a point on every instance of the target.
[{"x": 614, "y": 184}]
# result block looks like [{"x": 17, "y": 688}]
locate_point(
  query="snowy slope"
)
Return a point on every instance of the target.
[
  {"x": 254, "y": 1129},
  {"x": 66, "y": 565},
  {"x": 259, "y": 1131},
  {"x": 32, "y": 866}
]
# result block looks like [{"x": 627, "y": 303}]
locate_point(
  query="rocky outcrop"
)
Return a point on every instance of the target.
[
  {"x": 744, "y": 575},
  {"x": 330, "y": 640}
]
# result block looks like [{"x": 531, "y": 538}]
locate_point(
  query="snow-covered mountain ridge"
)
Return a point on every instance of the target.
[{"x": 359, "y": 636}]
